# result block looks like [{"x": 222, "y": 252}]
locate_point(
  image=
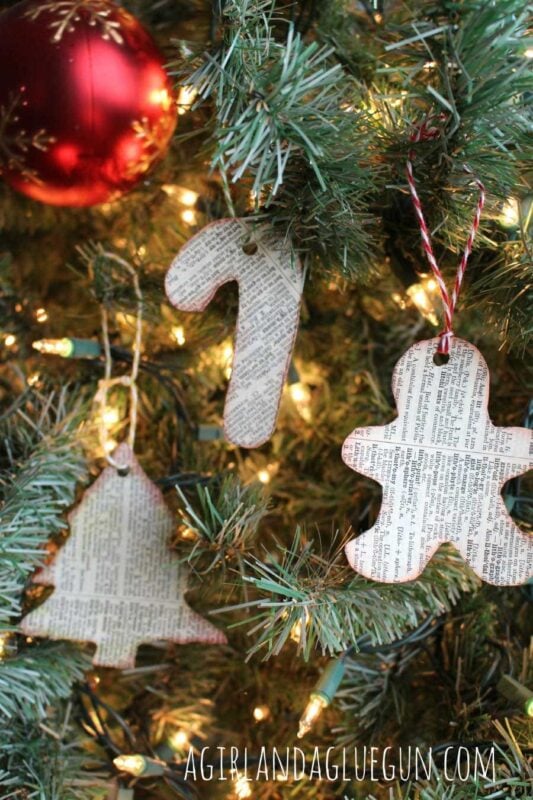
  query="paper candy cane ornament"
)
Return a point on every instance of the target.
[
  {"x": 270, "y": 288},
  {"x": 442, "y": 465},
  {"x": 116, "y": 582}
]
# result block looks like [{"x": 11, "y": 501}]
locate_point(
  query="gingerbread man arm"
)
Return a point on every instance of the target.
[{"x": 362, "y": 450}]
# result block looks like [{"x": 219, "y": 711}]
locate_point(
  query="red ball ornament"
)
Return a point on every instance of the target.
[{"x": 86, "y": 107}]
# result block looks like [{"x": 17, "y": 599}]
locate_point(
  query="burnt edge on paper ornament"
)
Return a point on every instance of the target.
[
  {"x": 249, "y": 420},
  {"x": 105, "y": 580},
  {"x": 442, "y": 464}
]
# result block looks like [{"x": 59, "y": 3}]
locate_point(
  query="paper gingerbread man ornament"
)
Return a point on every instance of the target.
[
  {"x": 116, "y": 582},
  {"x": 270, "y": 289},
  {"x": 442, "y": 465}
]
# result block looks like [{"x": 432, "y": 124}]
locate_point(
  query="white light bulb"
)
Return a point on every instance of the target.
[
  {"x": 242, "y": 787},
  {"x": 179, "y": 740},
  {"x": 261, "y": 713},
  {"x": 110, "y": 416},
  {"x": 178, "y": 333}
]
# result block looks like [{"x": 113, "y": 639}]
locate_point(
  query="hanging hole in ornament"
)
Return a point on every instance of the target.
[
  {"x": 440, "y": 359},
  {"x": 250, "y": 248},
  {"x": 124, "y": 471}
]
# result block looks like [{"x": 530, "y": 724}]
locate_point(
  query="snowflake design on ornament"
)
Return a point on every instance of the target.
[
  {"x": 15, "y": 144},
  {"x": 153, "y": 137},
  {"x": 70, "y": 12}
]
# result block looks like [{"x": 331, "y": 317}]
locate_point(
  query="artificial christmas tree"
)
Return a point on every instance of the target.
[{"x": 299, "y": 118}]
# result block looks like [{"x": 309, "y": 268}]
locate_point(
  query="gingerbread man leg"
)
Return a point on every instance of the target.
[{"x": 382, "y": 554}]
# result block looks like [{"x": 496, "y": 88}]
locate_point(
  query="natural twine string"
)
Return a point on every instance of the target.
[
  {"x": 130, "y": 381},
  {"x": 425, "y": 132}
]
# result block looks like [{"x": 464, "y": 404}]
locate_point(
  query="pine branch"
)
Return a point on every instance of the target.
[
  {"x": 46, "y": 761},
  {"x": 462, "y": 654},
  {"x": 285, "y": 123},
  {"x": 38, "y": 677},
  {"x": 46, "y": 464},
  {"x": 221, "y": 525},
  {"x": 505, "y": 287},
  {"x": 513, "y": 777},
  {"x": 473, "y": 71},
  {"x": 315, "y": 593}
]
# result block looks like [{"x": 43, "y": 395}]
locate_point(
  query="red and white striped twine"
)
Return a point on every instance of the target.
[{"x": 425, "y": 132}]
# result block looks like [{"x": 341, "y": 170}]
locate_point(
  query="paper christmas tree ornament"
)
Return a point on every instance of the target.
[
  {"x": 442, "y": 465},
  {"x": 116, "y": 582},
  {"x": 270, "y": 288}
]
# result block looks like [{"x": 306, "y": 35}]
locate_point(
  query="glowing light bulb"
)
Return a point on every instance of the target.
[
  {"x": 134, "y": 765},
  {"x": 3, "y": 644},
  {"x": 96, "y": 723},
  {"x": 187, "y": 533},
  {"x": 186, "y": 98},
  {"x": 312, "y": 712},
  {"x": 33, "y": 379},
  {"x": 297, "y": 628},
  {"x": 178, "y": 332},
  {"x": 422, "y": 296},
  {"x": 398, "y": 299},
  {"x": 227, "y": 359},
  {"x": 189, "y": 216},
  {"x": 110, "y": 416},
  {"x": 10, "y": 340},
  {"x": 160, "y": 97},
  {"x": 296, "y": 632},
  {"x": 41, "y": 315},
  {"x": 179, "y": 740},
  {"x": 187, "y": 196},
  {"x": 252, "y": 200},
  {"x": 529, "y": 52},
  {"x": 298, "y": 776},
  {"x": 54, "y": 347},
  {"x": 110, "y": 445},
  {"x": 264, "y": 476},
  {"x": 261, "y": 713},
  {"x": 510, "y": 213},
  {"x": 301, "y": 397},
  {"x": 138, "y": 765},
  {"x": 242, "y": 787},
  {"x": 141, "y": 251},
  {"x": 125, "y": 320}
]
